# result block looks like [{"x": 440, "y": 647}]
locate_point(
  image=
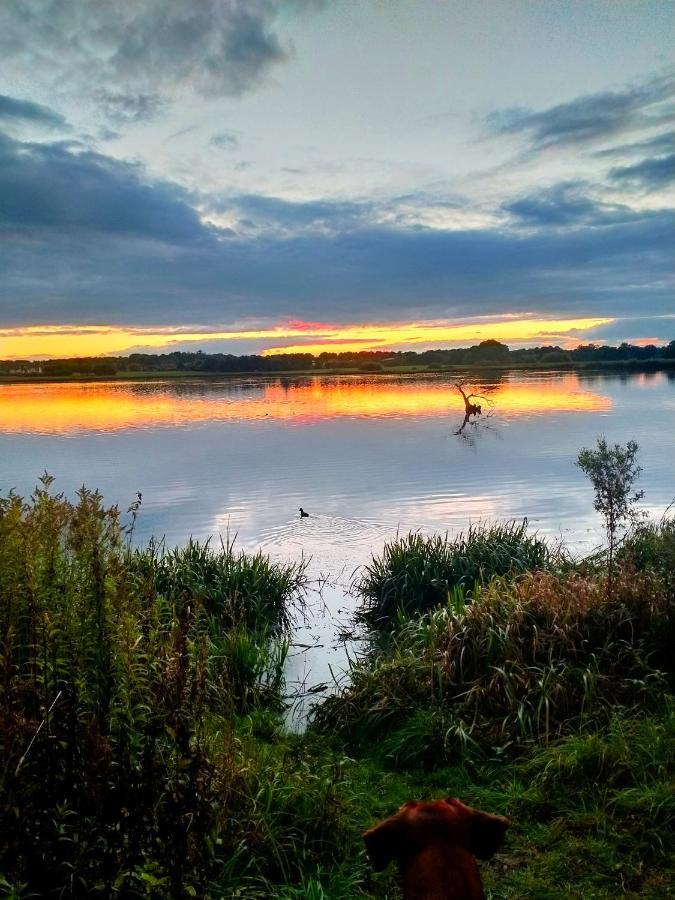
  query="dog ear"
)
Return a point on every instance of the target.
[
  {"x": 383, "y": 842},
  {"x": 486, "y": 834}
]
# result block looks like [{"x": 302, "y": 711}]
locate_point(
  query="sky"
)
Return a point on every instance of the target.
[{"x": 283, "y": 175}]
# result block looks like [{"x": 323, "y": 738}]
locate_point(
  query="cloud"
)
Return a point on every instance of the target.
[
  {"x": 225, "y": 140},
  {"x": 123, "y": 108},
  {"x": 632, "y": 328},
  {"x": 88, "y": 239},
  {"x": 650, "y": 174},
  {"x": 58, "y": 186},
  {"x": 660, "y": 143},
  {"x": 146, "y": 48},
  {"x": 593, "y": 117},
  {"x": 566, "y": 204},
  {"x": 13, "y": 110},
  {"x": 259, "y": 213}
]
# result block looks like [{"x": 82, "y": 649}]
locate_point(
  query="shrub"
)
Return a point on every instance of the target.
[
  {"x": 612, "y": 472},
  {"x": 416, "y": 573}
]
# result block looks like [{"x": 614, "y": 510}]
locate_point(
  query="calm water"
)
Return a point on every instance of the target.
[{"x": 366, "y": 456}]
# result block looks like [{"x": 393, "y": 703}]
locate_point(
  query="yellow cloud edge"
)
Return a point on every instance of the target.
[{"x": 35, "y": 341}]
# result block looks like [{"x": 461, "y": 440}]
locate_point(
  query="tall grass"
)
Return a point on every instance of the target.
[
  {"x": 143, "y": 753},
  {"x": 530, "y": 659},
  {"x": 416, "y": 573},
  {"x": 234, "y": 589},
  {"x": 651, "y": 546},
  {"x": 114, "y": 666}
]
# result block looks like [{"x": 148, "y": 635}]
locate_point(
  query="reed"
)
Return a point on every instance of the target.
[
  {"x": 532, "y": 658},
  {"x": 144, "y": 754},
  {"x": 114, "y": 666},
  {"x": 417, "y": 573}
]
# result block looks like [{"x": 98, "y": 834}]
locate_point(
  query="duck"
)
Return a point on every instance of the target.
[{"x": 303, "y": 514}]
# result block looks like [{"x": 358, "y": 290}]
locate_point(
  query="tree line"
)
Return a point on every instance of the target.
[{"x": 489, "y": 352}]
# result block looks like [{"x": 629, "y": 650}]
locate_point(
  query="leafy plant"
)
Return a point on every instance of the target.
[
  {"x": 121, "y": 673},
  {"x": 612, "y": 472}
]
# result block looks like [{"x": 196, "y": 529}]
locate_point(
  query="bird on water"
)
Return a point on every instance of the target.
[{"x": 303, "y": 514}]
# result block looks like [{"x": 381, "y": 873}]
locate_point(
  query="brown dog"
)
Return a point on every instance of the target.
[{"x": 435, "y": 844}]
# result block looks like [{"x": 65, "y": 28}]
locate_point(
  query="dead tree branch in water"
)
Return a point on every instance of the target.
[{"x": 471, "y": 408}]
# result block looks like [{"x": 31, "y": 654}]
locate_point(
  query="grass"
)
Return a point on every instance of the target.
[
  {"x": 121, "y": 673},
  {"x": 592, "y": 814},
  {"x": 416, "y": 573},
  {"x": 144, "y": 753},
  {"x": 651, "y": 547},
  {"x": 531, "y": 658}
]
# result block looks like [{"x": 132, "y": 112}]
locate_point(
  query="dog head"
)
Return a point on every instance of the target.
[{"x": 417, "y": 826}]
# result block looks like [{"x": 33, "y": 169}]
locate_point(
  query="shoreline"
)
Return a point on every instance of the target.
[{"x": 628, "y": 366}]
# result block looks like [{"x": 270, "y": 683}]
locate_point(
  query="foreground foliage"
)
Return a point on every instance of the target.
[
  {"x": 529, "y": 659},
  {"x": 144, "y": 755},
  {"x": 120, "y": 673}
]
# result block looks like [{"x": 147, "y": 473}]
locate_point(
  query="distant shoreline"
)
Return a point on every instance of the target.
[{"x": 631, "y": 365}]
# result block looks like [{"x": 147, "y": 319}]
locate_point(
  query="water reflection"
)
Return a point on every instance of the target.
[
  {"x": 109, "y": 407},
  {"x": 367, "y": 457}
]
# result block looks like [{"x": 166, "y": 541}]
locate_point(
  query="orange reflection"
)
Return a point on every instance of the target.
[{"x": 68, "y": 408}]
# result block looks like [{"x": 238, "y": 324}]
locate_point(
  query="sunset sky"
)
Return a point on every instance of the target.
[{"x": 270, "y": 175}]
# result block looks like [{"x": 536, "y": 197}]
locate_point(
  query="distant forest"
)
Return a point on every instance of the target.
[{"x": 489, "y": 352}]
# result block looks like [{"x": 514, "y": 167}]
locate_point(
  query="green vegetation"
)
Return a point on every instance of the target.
[
  {"x": 143, "y": 748},
  {"x": 121, "y": 674},
  {"x": 612, "y": 472},
  {"x": 416, "y": 573},
  {"x": 530, "y": 659},
  {"x": 490, "y": 353}
]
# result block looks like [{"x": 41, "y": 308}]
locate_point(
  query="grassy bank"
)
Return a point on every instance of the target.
[{"x": 141, "y": 734}]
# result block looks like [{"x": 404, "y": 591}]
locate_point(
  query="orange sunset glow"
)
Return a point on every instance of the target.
[
  {"x": 71, "y": 408},
  {"x": 43, "y": 341}
]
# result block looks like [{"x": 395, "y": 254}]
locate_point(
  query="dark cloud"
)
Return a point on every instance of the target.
[
  {"x": 651, "y": 174},
  {"x": 146, "y": 48},
  {"x": 59, "y": 186},
  {"x": 267, "y": 214},
  {"x": 630, "y": 328},
  {"x": 592, "y": 117},
  {"x": 566, "y": 204},
  {"x": 14, "y": 110},
  {"x": 86, "y": 238},
  {"x": 660, "y": 143},
  {"x": 225, "y": 140}
]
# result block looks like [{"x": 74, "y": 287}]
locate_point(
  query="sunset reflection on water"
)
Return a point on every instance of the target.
[
  {"x": 369, "y": 457},
  {"x": 114, "y": 406}
]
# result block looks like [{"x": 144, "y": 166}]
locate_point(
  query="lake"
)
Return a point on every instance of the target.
[{"x": 366, "y": 456}]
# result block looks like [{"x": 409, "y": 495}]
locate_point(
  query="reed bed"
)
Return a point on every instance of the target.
[
  {"x": 416, "y": 573},
  {"x": 530, "y": 659},
  {"x": 121, "y": 673}
]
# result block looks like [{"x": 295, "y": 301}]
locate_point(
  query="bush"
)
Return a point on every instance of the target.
[{"x": 416, "y": 573}]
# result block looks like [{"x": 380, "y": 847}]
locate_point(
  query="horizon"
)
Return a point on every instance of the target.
[{"x": 339, "y": 350}]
